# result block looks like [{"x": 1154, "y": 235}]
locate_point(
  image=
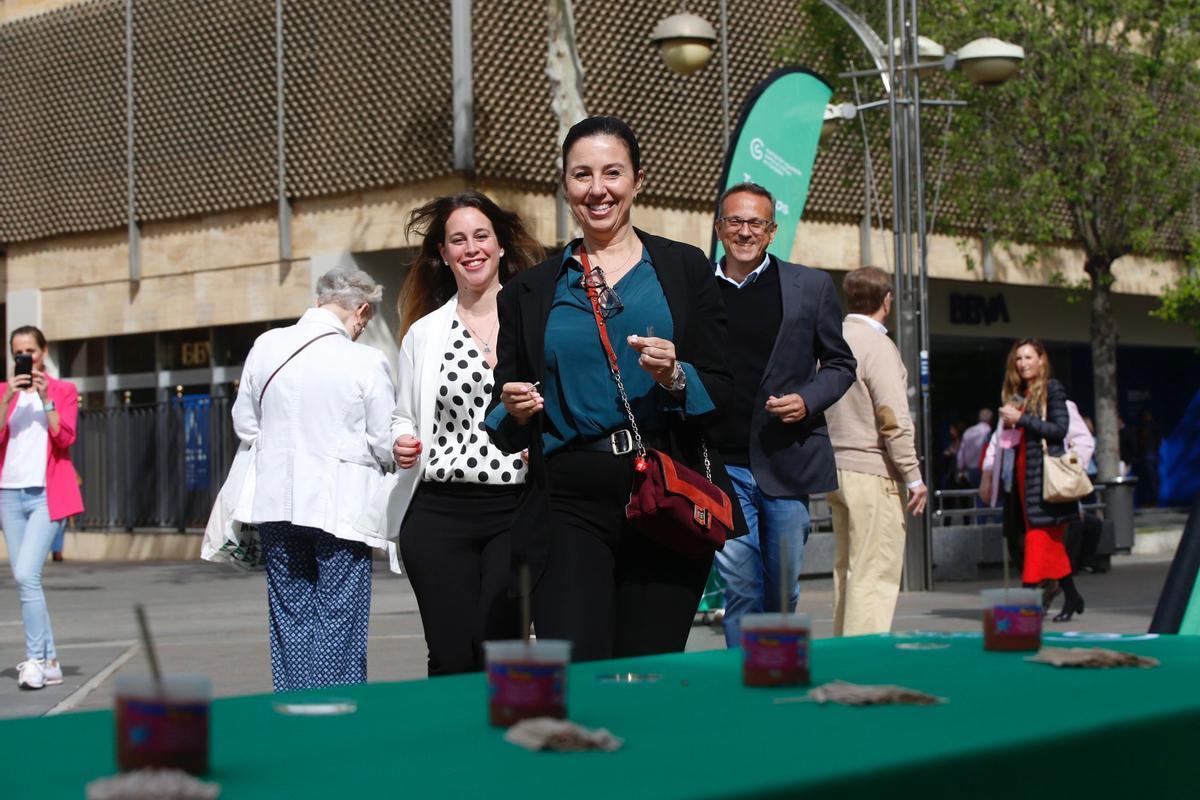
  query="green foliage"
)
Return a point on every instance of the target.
[
  {"x": 1181, "y": 302},
  {"x": 1076, "y": 290},
  {"x": 1095, "y": 143}
]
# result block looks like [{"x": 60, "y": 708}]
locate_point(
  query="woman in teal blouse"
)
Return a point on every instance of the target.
[{"x": 597, "y": 581}]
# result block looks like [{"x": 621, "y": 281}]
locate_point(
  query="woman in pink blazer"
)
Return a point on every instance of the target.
[{"x": 38, "y": 491}]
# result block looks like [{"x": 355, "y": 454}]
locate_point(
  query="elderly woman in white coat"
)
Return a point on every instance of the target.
[
  {"x": 456, "y": 492},
  {"x": 316, "y": 407}
]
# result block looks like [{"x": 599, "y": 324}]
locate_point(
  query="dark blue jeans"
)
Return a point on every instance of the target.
[{"x": 750, "y": 565}]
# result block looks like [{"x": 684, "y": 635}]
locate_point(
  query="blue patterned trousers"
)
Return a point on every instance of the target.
[{"x": 319, "y": 603}]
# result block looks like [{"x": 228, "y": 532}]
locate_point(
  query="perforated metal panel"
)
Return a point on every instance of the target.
[
  {"x": 677, "y": 118},
  {"x": 515, "y": 131},
  {"x": 62, "y": 122},
  {"x": 204, "y": 106},
  {"x": 369, "y": 92},
  {"x": 369, "y": 105}
]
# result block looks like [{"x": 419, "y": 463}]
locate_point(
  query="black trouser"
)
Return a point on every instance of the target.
[
  {"x": 606, "y": 587},
  {"x": 456, "y": 548},
  {"x": 1013, "y": 526}
]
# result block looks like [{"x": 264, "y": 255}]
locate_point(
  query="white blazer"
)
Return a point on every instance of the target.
[
  {"x": 421, "y": 354},
  {"x": 321, "y": 435}
]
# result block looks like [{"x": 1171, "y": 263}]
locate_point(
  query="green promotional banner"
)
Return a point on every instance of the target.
[{"x": 775, "y": 145}]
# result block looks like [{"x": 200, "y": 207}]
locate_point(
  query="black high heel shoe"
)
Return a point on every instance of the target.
[
  {"x": 1050, "y": 590},
  {"x": 1071, "y": 606}
]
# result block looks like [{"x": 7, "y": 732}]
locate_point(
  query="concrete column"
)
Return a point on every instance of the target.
[
  {"x": 464, "y": 90},
  {"x": 24, "y": 307}
]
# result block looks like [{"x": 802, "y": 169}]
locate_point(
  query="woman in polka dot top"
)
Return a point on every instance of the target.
[{"x": 460, "y": 491}]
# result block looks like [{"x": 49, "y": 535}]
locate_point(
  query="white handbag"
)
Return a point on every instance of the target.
[
  {"x": 226, "y": 539},
  {"x": 1064, "y": 478}
]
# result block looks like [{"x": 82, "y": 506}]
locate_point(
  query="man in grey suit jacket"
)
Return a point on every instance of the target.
[{"x": 789, "y": 364}]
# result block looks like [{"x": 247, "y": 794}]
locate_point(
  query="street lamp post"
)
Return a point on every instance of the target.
[
  {"x": 686, "y": 43},
  {"x": 899, "y": 67}
]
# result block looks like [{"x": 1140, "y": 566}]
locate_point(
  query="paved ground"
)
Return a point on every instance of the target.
[{"x": 212, "y": 620}]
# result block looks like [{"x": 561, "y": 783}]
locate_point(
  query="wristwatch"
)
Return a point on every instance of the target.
[
  {"x": 678, "y": 380},
  {"x": 49, "y": 406}
]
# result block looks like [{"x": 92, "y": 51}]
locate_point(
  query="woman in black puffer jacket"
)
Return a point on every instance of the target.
[{"x": 1036, "y": 405}]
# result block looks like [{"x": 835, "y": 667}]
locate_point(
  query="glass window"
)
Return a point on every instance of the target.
[
  {"x": 186, "y": 349},
  {"x": 231, "y": 343},
  {"x": 132, "y": 353}
]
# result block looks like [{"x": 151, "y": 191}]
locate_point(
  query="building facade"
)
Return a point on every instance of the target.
[{"x": 175, "y": 175}]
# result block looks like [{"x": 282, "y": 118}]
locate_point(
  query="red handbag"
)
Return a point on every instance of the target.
[{"x": 670, "y": 503}]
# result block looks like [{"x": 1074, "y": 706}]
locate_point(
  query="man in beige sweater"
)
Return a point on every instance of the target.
[{"x": 872, "y": 436}]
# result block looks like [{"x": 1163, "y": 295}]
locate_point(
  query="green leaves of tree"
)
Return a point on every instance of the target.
[{"x": 1096, "y": 142}]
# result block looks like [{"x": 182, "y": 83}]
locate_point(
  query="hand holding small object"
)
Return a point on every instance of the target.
[
  {"x": 521, "y": 400},
  {"x": 1011, "y": 415},
  {"x": 38, "y": 379},
  {"x": 19, "y": 383},
  {"x": 657, "y": 357}
]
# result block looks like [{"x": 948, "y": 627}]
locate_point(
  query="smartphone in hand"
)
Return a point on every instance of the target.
[{"x": 22, "y": 364}]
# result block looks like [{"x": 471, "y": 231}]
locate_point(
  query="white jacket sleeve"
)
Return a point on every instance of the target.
[
  {"x": 380, "y": 399},
  {"x": 404, "y": 416},
  {"x": 245, "y": 408}
]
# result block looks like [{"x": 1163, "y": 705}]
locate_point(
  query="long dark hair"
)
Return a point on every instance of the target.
[{"x": 430, "y": 283}]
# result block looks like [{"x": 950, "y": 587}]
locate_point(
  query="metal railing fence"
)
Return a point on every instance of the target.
[
  {"x": 962, "y": 507},
  {"x": 153, "y": 466}
]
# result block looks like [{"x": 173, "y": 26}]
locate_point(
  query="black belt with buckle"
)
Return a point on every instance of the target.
[{"x": 617, "y": 443}]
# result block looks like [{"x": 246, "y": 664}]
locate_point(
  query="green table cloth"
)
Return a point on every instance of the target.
[{"x": 1010, "y": 729}]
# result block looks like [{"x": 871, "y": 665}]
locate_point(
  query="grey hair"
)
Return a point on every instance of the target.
[{"x": 349, "y": 287}]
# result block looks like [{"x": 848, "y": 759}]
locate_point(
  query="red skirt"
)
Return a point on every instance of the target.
[{"x": 1045, "y": 551}]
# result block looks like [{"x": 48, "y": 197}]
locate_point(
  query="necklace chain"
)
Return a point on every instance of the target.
[
  {"x": 487, "y": 347},
  {"x": 636, "y": 253}
]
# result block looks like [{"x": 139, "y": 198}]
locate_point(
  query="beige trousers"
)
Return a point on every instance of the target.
[{"x": 868, "y": 529}]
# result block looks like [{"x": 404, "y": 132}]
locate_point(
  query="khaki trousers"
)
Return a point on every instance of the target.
[{"x": 868, "y": 528}]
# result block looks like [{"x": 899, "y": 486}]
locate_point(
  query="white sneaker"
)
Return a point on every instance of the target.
[
  {"x": 53, "y": 672},
  {"x": 31, "y": 674}
]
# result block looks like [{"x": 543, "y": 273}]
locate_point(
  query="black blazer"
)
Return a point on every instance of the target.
[
  {"x": 790, "y": 459},
  {"x": 1053, "y": 430},
  {"x": 699, "y": 322}
]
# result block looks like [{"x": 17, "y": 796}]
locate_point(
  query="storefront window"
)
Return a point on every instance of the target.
[
  {"x": 133, "y": 353},
  {"x": 231, "y": 343},
  {"x": 186, "y": 349}
]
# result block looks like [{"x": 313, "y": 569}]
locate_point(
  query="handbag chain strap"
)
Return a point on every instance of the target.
[{"x": 593, "y": 294}]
